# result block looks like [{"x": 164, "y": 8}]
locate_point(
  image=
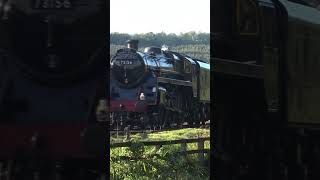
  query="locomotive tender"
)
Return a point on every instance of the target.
[
  {"x": 52, "y": 78},
  {"x": 157, "y": 88},
  {"x": 266, "y": 95}
]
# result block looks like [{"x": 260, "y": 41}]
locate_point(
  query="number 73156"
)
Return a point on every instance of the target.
[{"x": 52, "y": 4}]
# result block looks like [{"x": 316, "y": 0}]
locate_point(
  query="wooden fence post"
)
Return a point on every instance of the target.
[
  {"x": 201, "y": 149},
  {"x": 127, "y": 130},
  {"x": 158, "y": 147},
  {"x": 184, "y": 148},
  {"x": 182, "y": 142},
  {"x": 9, "y": 169},
  {"x": 1, "y": 171}
]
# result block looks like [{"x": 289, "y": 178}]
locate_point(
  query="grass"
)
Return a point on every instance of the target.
[{"x": 164, "y": 163}]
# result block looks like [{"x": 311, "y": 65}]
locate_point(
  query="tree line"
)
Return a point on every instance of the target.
[{"x": 193, "y": 44}]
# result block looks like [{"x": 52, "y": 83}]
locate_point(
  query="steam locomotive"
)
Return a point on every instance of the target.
[
  {"x": 266, "y": 89},
  {"x": 157, "y": 88},
  {"x": 52, "y": 80}
]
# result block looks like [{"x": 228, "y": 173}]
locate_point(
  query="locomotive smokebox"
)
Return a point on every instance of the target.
[{"x": 133, "y": 44}]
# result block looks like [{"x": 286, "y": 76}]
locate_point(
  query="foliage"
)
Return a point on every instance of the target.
[
  {"x": 186, "y": 133},
  {"x": 196, "y": 45},
  {"x": 163, "y": 163},
  {"x": 158, "y": 39}
]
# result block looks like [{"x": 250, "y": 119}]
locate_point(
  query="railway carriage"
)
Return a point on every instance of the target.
[{"x": 266, "y": 94}]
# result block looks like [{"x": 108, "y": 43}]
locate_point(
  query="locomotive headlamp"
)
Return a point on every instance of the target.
[
  {"x": 154, "y": 89},
  {"x": 101, "y": 111},
  {"x": 1, "y": 3},
  {"x": 52, "y": 61},
  {"x": 5, "y": 8},
  {"x": 142, "y": 97}
]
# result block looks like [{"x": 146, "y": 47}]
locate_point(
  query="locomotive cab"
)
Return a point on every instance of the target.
[{"x": 241, "y": 28}]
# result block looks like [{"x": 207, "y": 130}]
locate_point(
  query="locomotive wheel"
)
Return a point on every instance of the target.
[
  {"x": 119, "y": 120},
  {"x": 153, "y": 119},
  {"x": 187, "y": 114},
  {"x": 116, "y": 120},
  {"x": 188, "y": 118},
  {"x": 166, "y": 120},
  {"x": 161, "y": 117},
  {"x": 143, "y": 120},
  {"x": 6, "y": 169},
  {"x": 191, "y": 112},
  {"x": 178, "y": 119},
  {"x": 157, "y": 121},
  {"x": 203, "y": 116},
  {"x": 197, "y": 116},
  {"x": 112, "y": 120}
]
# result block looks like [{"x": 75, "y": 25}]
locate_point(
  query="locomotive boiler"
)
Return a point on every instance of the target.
[
  {"x": 52, "y": 78},
  {"x": 157, "y": 88}
]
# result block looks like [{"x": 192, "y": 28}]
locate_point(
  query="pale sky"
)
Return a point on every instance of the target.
[{"x": 169, "y": 16}]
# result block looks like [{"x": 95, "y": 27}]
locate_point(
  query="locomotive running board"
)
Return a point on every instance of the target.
[
  {"x": 174, "y": 81},
  {"x": 237, "y": 68}
]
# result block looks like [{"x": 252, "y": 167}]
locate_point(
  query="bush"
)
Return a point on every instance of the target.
[
  {"x": 147, "y": 162},
  {"x": 166, "y": 164}
]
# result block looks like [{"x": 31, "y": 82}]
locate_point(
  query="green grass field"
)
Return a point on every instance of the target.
[{"x": 165, "y": 163}]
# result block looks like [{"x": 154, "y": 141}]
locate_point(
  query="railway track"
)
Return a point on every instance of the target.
[{"x": 136, "y": 130}]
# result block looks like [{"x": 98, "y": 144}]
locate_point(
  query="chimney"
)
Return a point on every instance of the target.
[{"x": 133, "y": 44}]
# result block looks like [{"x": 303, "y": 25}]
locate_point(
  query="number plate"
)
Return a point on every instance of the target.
[{"x": 52, "y": 4}]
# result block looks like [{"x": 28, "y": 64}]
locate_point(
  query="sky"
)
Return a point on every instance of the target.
[{"x": 169, "y": 16}]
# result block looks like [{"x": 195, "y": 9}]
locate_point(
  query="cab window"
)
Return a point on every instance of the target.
[
  {"x": 187, "y": 66},
  {"x": 247, "y": 17}
]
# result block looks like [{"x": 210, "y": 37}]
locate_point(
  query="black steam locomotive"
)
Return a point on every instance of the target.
[
  {"x": 266, "y": 89},
  {"x": 52, "y": 80},
  {"x": 157, "y": 88}
]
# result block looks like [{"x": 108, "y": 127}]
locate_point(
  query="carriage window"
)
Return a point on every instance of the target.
[
  {"x": 269, "y": 20},
  {"x": 247, "y": 17},
  {"x": 187, "y": 66}
]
